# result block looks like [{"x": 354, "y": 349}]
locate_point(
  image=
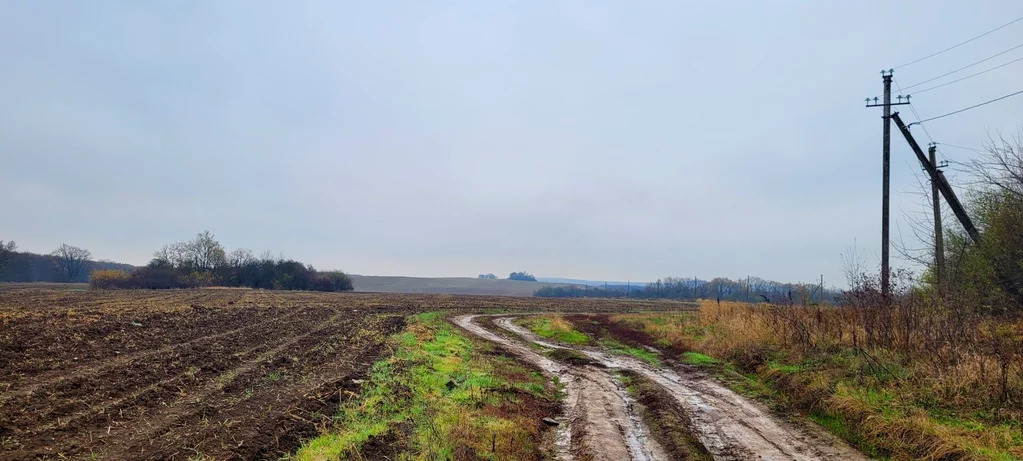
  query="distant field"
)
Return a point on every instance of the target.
[
  {"x": 43, "y": 286},
  {"x": 448, "y": 285},
  {"x": 378, "y": 284}
]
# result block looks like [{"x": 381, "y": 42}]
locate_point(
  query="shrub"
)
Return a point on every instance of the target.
[
  {"x": 109, "y": 279},
  {"x": 524, "y": 276},
  {"x": 182, "y": 266},
  {"x": 331, "y": 281},
  {"x": 198, "y": 279},
  {"x": 157, "y": 276}
]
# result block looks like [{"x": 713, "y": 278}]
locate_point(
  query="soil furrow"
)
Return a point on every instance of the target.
[
  {"x": 95, "y": 367},
  {"x": 227, "y": 382},
  {"x": 186, "y": 369}
]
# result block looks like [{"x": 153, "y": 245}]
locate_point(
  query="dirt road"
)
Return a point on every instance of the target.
[{"x": 600, "y": 421}]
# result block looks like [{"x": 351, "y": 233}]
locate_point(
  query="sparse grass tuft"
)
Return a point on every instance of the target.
[
  {"x": 637, "y": 352},
  {"x": 555, "y": 327},
  {"x": 698, "y": 359}
]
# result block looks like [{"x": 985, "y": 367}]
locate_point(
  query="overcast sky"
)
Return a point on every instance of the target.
[{"x": 602, "y": 140}]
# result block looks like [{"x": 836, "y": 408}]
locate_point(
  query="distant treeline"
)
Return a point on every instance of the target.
[
  {"x": 31, "y": 267},
  {"x": 203, "y": 262},
  {"x": 753, "y": 290}
]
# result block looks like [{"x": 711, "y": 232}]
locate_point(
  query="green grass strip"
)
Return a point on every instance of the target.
[{"x": 433, "y": 391}]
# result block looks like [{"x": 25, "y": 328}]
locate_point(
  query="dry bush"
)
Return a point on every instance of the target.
[{"x": 109, "y": 279}]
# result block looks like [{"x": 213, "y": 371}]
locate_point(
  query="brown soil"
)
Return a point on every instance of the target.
[
  {"x": 227, "y": 374},
  {"x": 601, "y": 326},
  {"x": 669, "y": 423},
  {"x": 216, "y": 373},
  {"x": 387, "y": 446}
]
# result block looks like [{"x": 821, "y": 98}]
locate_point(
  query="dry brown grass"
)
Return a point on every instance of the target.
[{"x": 912, "y": 381}]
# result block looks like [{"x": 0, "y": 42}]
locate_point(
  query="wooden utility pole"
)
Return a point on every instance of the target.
[
  {"x": 887, "y": 155},
  {"x": 939, "y": 244},
  {"x": 943, "y": 186},
  {"x": 886, "y": 78}
]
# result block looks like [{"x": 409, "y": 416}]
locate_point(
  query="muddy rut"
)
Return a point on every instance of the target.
[{"x": 600, "y": 422}]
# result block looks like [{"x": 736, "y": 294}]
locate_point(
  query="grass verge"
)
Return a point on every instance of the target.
[
  {"x": 440, "y": 395},
  {"x": 886, "y": 404}
]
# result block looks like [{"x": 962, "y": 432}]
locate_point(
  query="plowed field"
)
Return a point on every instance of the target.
[
  {"x": 174, "y": 375},
  {"x": 193, "y": 374}
]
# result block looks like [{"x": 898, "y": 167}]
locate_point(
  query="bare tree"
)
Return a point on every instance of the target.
[
  {"x": 854, "y": 266},
  {"x": 6, "y": 250},
  {"x": 202, "y": 254},
  {"x": 1002, "y": 166},
  {"x": 206, "y": 252},
  {"x": 999, "y": 211},
  {"x": 71, "y": 260},
  {"x": 240, "y": 257},
  {"x": 175, "y": 255}
]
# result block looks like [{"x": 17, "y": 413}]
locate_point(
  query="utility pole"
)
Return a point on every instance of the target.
[
  {"x": 939, "y": 244},
  {"x": 943, "y": 186},
  {"x": 887, "y": 155},
  {"x": 886, "y": 79}
]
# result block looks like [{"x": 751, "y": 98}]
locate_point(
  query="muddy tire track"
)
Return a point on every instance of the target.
[
  {"x": 599, "y": 421},
  {"x": 729, "y": 426}
]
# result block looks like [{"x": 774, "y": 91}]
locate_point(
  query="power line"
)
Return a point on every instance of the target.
[
  {"x": 962, "y": 43},
  {"x": 968, "y": 76},
  {"x": 965, "y": 67},
  {"x": 914, "y": 112},
  {"x": 968, "y": 108},
  {"x": 961, "y": 147}
]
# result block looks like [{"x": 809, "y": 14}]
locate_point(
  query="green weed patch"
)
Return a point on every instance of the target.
[
  {"x": 441, "y": 395},
  {"x": 698, "y": 359},
  {"x": 556, "y": 328}
]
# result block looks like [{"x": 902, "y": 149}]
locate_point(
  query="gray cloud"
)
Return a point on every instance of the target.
[{"x": 587, "y": 139}]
